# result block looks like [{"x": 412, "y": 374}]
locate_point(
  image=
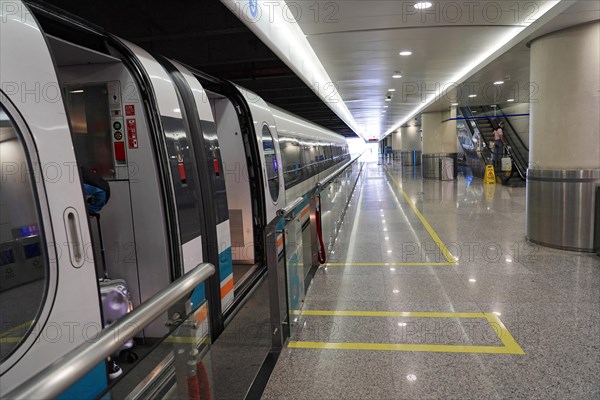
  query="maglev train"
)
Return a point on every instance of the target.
[{"x": 197, "y": 168}]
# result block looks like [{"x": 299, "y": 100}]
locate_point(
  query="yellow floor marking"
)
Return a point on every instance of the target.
[
  {"x": 434, "y": 348},
  {"x": 399, "y": 264},
  {"x": 503, "y": 334},
  {"x": 449, "y": 257},
  {"x": 413, "y": 314},
  {"x": 510, "y": 345},
  {"x": 16, "y": 328}
]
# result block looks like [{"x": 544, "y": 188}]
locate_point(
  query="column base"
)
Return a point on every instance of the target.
[{"x": 560, "y": 208}]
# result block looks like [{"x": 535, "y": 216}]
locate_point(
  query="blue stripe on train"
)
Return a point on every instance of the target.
[
  {"x": 198, "y": 296},
  {"x": 88, "y": 387},
  {"x": 225, "y": 263}
]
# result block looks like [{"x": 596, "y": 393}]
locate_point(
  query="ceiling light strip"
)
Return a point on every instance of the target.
[{"x": 285, "y": 38}]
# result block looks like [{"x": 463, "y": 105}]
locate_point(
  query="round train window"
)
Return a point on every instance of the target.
[
  {"x": 23, "y": 259},
  {"x": 271, "y": 162}
]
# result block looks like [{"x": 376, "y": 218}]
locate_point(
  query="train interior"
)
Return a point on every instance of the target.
[
  {"x": 95, "y": 87},
  {"x": 239, "y": 198}
]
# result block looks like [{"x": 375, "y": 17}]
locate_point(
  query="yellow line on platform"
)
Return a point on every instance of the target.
[
  {"x": 399, "y": 264},
  {"x": 435, "y": 348},
  {"x": 449, "y": 257},
  {"x": 413, "y": 314},
  {"x": 504, "y": 334},
  {"x": 510, "y": 345}
]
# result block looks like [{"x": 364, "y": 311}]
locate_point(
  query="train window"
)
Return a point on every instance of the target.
[
  {"x": 271, "y": 162},
  {"x": 23, "y": 261},
  {"x": 89, "y": 115},
  {"x": 291, "y": 158},
  {"x": 185, "y": 180}
]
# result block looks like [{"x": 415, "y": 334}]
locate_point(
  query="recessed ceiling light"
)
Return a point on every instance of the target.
[
  {"x": 499, "y": 83},
  {"x": 405, "y": 53},
  {"x": 472, "y": 95},
  {"x": 391, "y": 90},
  {"x": 423, "y": 5},
  {"x": 510, "y": 100},
  {"x": 388, "y": 99},
  {"x": 454, "y": 104},
  {"x": 396, "y": 76},
  {"x": 472, "y": 280}
]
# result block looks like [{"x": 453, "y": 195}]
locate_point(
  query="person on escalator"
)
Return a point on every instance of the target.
[{"x": 499, "y": 143}]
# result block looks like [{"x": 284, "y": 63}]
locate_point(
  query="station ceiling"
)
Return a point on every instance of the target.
[
  {"x": 357, "y": 44},
  {"x": 207, "y": 36}
]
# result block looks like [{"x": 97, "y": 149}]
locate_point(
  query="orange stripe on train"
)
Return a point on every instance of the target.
[{"x": 226, "y": 288}]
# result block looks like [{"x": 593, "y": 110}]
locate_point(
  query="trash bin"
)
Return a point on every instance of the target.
[{"x": 446, "y": 169}]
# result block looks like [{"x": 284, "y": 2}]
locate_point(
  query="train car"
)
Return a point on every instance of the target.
[{"x": 197, "y": 168}]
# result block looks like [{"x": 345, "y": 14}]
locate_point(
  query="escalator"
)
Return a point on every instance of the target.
[
  {"x": 487, "y": 118},
  {"x": 480, "y": 123}
]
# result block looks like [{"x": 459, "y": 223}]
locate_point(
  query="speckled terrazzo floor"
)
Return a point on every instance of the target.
[{"x": 549, "y": 301}]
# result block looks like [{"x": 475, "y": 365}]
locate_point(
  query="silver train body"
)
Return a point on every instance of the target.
[{"x": 197, "y": 168}]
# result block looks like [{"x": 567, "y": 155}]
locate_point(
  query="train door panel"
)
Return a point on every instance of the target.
[
  {"x": 202, "y": 125},
  {"x": 183, "y": 169},
  {"x": 45, "y": 278}
]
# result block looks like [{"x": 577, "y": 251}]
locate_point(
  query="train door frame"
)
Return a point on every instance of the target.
[
  {"x": 46, "y": 134},
  {"x": 210, "y": 240},
  {"x": 76, "y": 31},
  {"x": 255, "y": 176}
]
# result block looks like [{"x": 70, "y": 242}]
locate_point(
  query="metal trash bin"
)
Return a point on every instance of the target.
[{"x": 446, "y": 169}]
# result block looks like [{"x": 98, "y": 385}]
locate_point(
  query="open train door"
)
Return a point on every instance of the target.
[{"x": 43, "y": 227}]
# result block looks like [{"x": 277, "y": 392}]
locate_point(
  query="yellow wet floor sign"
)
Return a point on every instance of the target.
[{"x": 490, "y": 176}]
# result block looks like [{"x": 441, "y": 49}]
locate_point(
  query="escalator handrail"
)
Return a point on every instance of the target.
[
  {"x": 468, "y": 116},
  {"x": 63, "y": 373}
]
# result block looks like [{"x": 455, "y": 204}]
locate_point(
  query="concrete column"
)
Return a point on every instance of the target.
[
  {"x": 439, "y": 141},
  {"x": 564, "y": 153},
  {"x": 411, "y": 141},
  {"x": 396, "y": 144}
]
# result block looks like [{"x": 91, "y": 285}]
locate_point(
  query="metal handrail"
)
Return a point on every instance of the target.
[
  {"x": 324, "y": 182},
  {"x": 282, "y": 212},
  {"x": 63, "y": 373}
]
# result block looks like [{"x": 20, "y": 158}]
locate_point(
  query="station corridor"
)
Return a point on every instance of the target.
[{"x": 433, "y": 292}]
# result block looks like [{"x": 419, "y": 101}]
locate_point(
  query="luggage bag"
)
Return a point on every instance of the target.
[{"x": 114, "y": 293}]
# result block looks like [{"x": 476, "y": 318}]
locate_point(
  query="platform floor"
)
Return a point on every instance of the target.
[{"x": 433, "y": 293}]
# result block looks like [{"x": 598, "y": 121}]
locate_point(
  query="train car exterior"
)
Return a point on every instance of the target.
[{"x": 166, "y": 138}]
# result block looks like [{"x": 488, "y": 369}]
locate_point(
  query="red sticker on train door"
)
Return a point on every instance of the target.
[
  {"x": 132, "y": 133},
  {"x": 129, "y": 109}
]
